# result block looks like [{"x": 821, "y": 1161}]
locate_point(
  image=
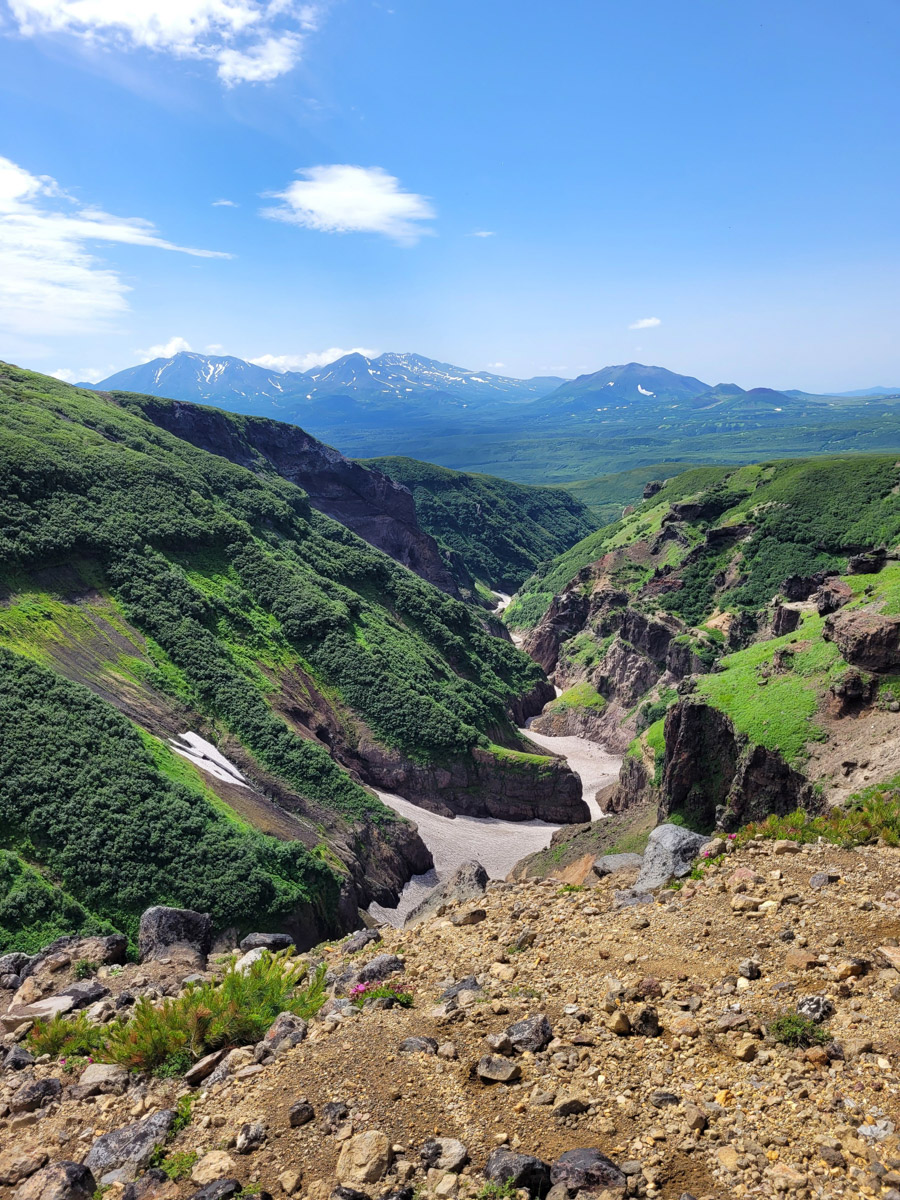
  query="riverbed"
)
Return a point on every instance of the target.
[{"x": 497, "y": 845}]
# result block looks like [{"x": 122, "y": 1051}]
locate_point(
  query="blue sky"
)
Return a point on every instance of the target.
[{"x": 727, "y": 171}]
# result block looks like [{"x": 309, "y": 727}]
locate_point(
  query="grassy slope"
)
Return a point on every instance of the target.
[
  {"x": 219, "y": 583},
  {"x": 808, "y": 514},
  {"x": 501, "y": 530}
]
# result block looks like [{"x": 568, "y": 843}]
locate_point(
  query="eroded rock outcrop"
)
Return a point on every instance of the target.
[
  {"x": 866, "y": 639},
  {"x": 374, "y": 506}
]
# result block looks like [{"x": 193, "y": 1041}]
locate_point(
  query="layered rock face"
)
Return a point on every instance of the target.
[{"x": 374, "y": 506}]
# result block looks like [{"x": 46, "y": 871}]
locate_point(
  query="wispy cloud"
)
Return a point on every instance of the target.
[
  {"x": 482, "y": 233},
  {"x": 305, "y": 362},
  {"x": 49, "y": 281},
  {"x": 225, "y": 204},
  {"x": 84, "y": 375},
  {"x": 175, "y": 345},
  {"x": 645, "y": 323},
  {"x": 347, "y": 199},
  {"x": 250, "y": 41}
]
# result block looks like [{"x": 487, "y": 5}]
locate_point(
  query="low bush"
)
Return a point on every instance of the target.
[
  {"x": 168, "y": 1037},
  {"x": 793, "y": 1029},
  {"x": 380, "y": 991}
]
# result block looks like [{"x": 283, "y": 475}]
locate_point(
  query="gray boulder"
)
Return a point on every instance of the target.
[
  {"x": 446, "y": 1154},
  {"x": 85, "y": 992},
  {"x": 608, "y": 864},
  {"x": 418, "y": 1045},
  {"x": 32, "y": 1096},
  {"x": 468, "y": 882},
  {"x": 381, "y": 966},
  {"x": 266, "y": 941},
  {"x": 670, "y": 852},
  {"x": 180, "y": 931},
  {"x": 518, "y": 1170},
  {"x": 18, "y": 1059},
  {"x": 128, "y": 1150},
  {"x": 287, "y": 1029},
  {"x": 533, "y": 1033},
  {"x": 360, "y": 939},
  {"x": 14, "y": 964},
  {"x": 59, "y": 1181}
]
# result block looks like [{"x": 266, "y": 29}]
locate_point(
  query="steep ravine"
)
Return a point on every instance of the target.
[{"x": 497, "y": 845}]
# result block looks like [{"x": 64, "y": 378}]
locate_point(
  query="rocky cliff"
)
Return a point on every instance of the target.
[{"x": 374, "y": 506}]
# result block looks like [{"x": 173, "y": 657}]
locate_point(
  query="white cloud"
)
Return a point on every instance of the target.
[
  {"x": 346, "y": 199},
  {"x": 84, "y": 375},
  {"x": 248, "y": 40},
  {"x": 165, "y": 349},
  {"x": 496, "y": 366},
  {"x": 214, "y": 348},
  {"x": 49, "y": 281},
  {"x": 305, "y": 362},
  {"x": 224, "y": 204},
  {"x": 645, "y": 323},
  {"x": 482, "y": 233}
]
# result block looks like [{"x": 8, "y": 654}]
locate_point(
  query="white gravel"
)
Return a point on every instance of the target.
[{"x": 497, "y": 845}]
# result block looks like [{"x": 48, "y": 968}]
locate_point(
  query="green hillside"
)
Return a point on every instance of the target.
[
  {"x": 500, "y": 530},
  {"x": 806, "y": 515},
  {"x": 190, "y": 593}
]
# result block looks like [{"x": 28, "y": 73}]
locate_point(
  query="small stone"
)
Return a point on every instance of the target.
[
  {"x": 474, "y": 916},
  {"x": 570, "y": 1105},
  {"x": 290, "y": 1181},
  {"x": 250, "y": 1137},
  {"x": 212, "y": 1166},
  {"x": 587, "y": 1170},
  {"x": 418, "y": 1045},
  {"x": 533, "y": 1034},
  {"x": 300, "y": 1113},
  {"x": 518, "y": 1170},
  {"x": 60, "y": 1180},
  {"x": 746, "y": 1049},
  {"x": 17, "y": 1163},
  {"x": 497, "y": 1070},
  {"x": 445, "y": 1154},
  {"x": 364, "y": 1158},
  {"x": 619, "y": 1023}
]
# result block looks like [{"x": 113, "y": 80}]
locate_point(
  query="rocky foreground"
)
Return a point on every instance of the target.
[{"x": 609, "y": 1040}]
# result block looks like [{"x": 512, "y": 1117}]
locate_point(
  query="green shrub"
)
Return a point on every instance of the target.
[
  {"x": 169, "y": 1036},
  {"x": 85, "y": 968},
  {"x": 792, "y": 1029},
  {"x": 179, "y": 1164}
]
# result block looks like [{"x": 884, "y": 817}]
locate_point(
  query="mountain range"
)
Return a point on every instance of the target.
[{"x": 628, "y": 419}]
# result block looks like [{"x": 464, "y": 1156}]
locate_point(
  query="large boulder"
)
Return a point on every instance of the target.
[
  {"x": 609, "y": 864},
  {"x": 865, "y": 639},
  {"x": 60, "y": 1180},
  {"x": 126, "y": 1152},
  {"x": 832, "y": 595},
  {"x": 670, "y": 852},
  {"x": 179, "y": 932},
  {"x": 468, "y": 882},
  {"x": 364, "y": 1159}
]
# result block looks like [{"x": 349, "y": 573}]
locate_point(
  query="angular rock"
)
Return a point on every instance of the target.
[
  {"x": 364, "y": 1158},
  {"x": 587, "y": 1170},
  {"x": 518, "y": 1170},
  {"x": 568, "y": 1105},
  {"x": 61, "y": 1180},
  {"x": 250, "y": 1137},
  {"x": 154, "y": 1184},
  {"x": 866, "y": 639},
  {"x": 32, "y": 1096},
  {"x": 815, "y": 1008},
  {"x": 445, "y": 1154},
  {"x": 381, "y": 966},
  {"x": 130, "y": 1147},
  {"x": 222, "y": 1189},
  {"x": 267, "y": 941},
  {"x": 609, "y": 864},
  {"x": 204, "y": 1067},
  {"x": 418, "y": 1045},
  {"x": 334, "y": 1114},
  {"x": 106, "y": 1077},
  {"x": 359, "y": 940},
  {"x": 468, "y": 882},
  {"x": 287, "y": 1029},
  {"x": 41, "y": 1010},
  {"x": 166, "y": 931},
  {"x": 17, "y": 1059},
  {"x": 14, "y": 964},
  {"x": 497, "y": 1070},
  {"x": 300, "y": 1113},
  {"x": 645, "y": 1022},
  {"x": 473, "y": 916},
  {"x": 17, "y": 1163},
  {"x": 670, "y": 852},
  {"x": 533, "y": 1033},
  {"x": 85, "y": 992},
  {"x": 212, "y": 1166}
]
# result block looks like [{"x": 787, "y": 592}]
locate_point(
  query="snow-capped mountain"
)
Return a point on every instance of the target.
[
  {"x": 224, "y": 381},
  {"x": 398, "y": 379}
]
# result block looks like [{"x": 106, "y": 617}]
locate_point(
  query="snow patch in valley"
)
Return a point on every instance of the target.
[
  {"x": 644, "y": 391},
  {"x": 205, "y": 756}
]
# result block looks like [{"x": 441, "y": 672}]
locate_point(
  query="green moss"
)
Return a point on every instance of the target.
[{"x": 579, "y": 696}]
